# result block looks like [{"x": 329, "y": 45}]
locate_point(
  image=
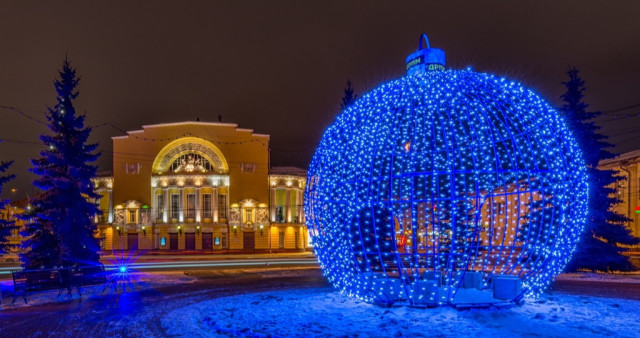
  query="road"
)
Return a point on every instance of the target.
[{"x": 201, "y": 262}]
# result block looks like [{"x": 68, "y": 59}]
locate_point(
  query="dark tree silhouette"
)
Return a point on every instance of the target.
[
  {"x": 349, "y": 96},
  {"x": 6, "y": 225},
  {"x": 599, "y": 248},
  {"x": 59, "y": 227}
]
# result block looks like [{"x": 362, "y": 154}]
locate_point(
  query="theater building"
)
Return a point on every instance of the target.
[{"x": 199, "y": 187}]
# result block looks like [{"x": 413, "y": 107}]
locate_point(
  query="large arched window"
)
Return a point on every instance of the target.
[
  {"x": 190, "y": 155},
  {"x": 191, "y": 163}
]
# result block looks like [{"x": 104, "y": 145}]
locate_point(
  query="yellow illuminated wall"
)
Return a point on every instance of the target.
[{"x": 135, "y": 154}]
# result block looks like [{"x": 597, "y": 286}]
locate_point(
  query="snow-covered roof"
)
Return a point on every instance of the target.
[{"x": 621, "y": 158}]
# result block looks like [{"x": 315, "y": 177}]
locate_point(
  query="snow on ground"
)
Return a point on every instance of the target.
[
  {"x": 324, "y": 311},
  {"x": 320, "y": 312},
  {"x": 130, "y": 283}
]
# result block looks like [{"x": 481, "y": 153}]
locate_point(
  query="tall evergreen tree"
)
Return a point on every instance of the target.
[
  {"x": 6, "y": 225},
  {"x": 349, "y": 96},
  {"x": 606, "y": 229},
  {"x": 59, "y": 225}
]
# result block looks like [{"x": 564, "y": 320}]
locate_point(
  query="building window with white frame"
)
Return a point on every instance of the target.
[
  {"x": 222, "y": 206},
  {"x": 131, "y": 215},
  {"x": 191, "y": 205},
  {"x": 175, "y": 205},
  {"x": 206, "y": 205},
  {"x": 160, "y": 207}
]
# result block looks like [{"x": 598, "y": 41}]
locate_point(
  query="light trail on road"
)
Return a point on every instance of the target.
[
  {"x": 196, "y": 264},
  {"x": 227, "y": 263}
]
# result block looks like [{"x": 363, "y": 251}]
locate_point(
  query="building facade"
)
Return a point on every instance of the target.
[
  {"x": 627, "y": 166},
  {"x": 10, "y": 212},
  {"x": 199, "y": 187}
]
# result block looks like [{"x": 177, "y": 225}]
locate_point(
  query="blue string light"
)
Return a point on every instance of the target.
[{"x": 443, "y": 173}]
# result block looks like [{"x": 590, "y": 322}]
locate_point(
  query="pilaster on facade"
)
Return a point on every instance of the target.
[
  {"x": 215, "y": 205},
  {"x": 181, "y": 206},
  {"x": 197, "y": 206},
  {"x": 165, "y": 201}
]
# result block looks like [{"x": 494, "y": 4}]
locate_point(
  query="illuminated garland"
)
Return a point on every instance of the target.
[{"x": 441, "y": 174}]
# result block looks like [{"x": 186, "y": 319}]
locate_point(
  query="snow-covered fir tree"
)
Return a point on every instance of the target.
[
  {"x": 6, "y": 225},
  {"x": 59, "y": 227},
  {"x": 605, "y": 229}
]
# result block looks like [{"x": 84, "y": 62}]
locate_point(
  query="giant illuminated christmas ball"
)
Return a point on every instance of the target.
[{"x": 446, "y": 187}]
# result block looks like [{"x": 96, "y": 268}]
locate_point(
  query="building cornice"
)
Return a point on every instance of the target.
[{"x": 176, "y": 124}]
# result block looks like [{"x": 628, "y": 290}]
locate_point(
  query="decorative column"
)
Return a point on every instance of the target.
[
  {"x": 198, "y": 215},
  {"x": 214, "y": 207},
  {"x": 287, "y": 204},
  {"x": 181, "y": 209},
  {"x": 299, "y": 208},
  {"x": 273, "y": 205},
  {"x": 110, "y": 207},
  {"x": 165, "y": 207}
]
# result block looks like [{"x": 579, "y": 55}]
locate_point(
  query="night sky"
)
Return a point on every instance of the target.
[{"x": 280, "y": 67}]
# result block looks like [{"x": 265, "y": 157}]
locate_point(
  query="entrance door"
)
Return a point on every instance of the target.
[
  {"x": 207, "y": 241},
  {"x": 281, "y": 239},
  {"x": 297, "y": 239},
  {"x": 249, "y": 240},
  {"x": 132, "y": 241},
  {"x": 190, "y": 241},
  {"x": 173, "y": 241}
]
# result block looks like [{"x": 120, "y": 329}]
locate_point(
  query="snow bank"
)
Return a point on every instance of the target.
[
  {"x": 629, "y": 277},
  {"x": 322, "y": 312}
]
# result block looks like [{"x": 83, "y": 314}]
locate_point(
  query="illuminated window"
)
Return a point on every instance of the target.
[
  {"x": 248, "y": 216},
  {"x": 191, "y": 205},
  {"x": 191, "y": 162},
  {"x": 132, "y": 216},
  {"x": 206, "y": 205},
  {"x": 160, "y": 206},
  {"x": 280, "y": 214},
  {"x": 222, "y": 206},
  {"x": 175, "y": 205}
]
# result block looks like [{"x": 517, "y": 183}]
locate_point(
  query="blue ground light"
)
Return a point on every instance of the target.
[{"x": 444, "y": 179}]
